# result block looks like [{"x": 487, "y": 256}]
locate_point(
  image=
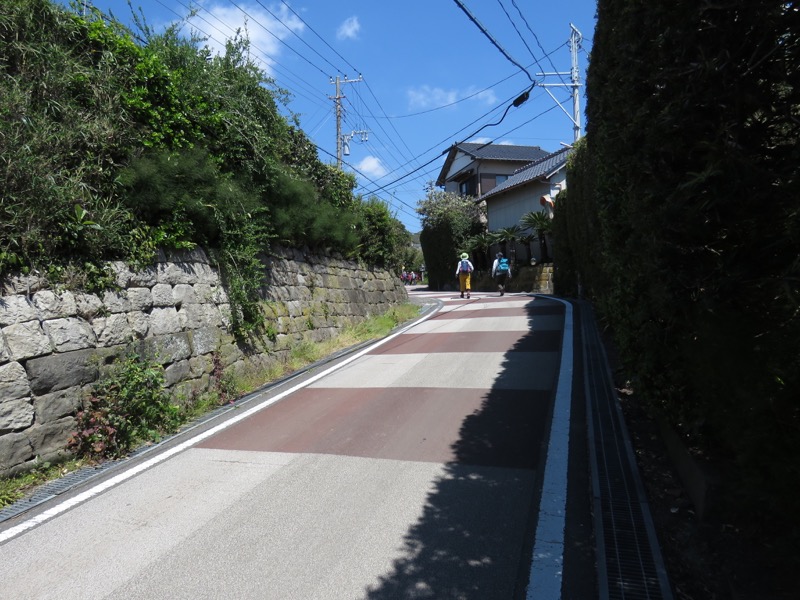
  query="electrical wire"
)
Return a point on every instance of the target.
[
  {"x": 249, "y": 16},
  {"x": 535, "y": 37},
  {"x": 491, "y": 38},
  {"x": 464, "y": 99},
  {"x": 294, "y": 33},
  {"x": 319, "y": 36},
  {"x": 514, "y": 25},
  {"x": 361, "y": 108},
  {"x": 275, "y": 65},
  {"x": 496, "y": 108}
]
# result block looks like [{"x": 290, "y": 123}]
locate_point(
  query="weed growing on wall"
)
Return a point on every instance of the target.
[{"x": 127, "y": 407}]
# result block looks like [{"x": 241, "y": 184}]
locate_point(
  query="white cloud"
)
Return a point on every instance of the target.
[
  {"x": 372, "y": 167},
  {"x": 349, "y": 29},
  {"x": 425, "y": 97},
  {"x": 486, "y": 97},
  {"x": 221, "y": 21}
]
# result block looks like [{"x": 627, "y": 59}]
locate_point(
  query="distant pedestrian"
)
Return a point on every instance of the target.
[
  {"x": 464, "y": 270},
  {"x": 501, "y": 272}
]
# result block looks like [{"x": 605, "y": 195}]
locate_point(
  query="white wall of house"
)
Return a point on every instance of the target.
[{"x": 506, "y": 209}]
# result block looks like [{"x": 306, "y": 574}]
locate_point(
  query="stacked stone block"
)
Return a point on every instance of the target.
[{"x": 55, "y": 343}]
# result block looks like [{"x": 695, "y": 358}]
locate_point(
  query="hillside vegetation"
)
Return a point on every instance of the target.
[
  {"x": 682, "y": 223},
  {"x": 113, "y": 146}
]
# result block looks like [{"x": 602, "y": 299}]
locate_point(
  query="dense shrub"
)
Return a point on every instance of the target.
[
  {"x": 113, "y": 146},
  {"x": 383, "y": 239},
  {"x": 683, "y": 224}
]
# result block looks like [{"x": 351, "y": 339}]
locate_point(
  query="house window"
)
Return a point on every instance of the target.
[
  {"x": 489, "y": 182},
  {"x": 467, "y": 187}
]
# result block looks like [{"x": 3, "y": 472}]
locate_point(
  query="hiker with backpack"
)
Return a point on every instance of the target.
[
  {"x": 464, "y": 269},
  {"x": 501, "y": 271}
]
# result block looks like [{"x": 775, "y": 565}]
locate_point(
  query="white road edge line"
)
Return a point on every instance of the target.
[
  {"x": 56, "y": 510},
  {"x": 547, "y": 562}
]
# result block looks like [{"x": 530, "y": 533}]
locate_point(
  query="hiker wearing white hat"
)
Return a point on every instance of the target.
[{"x": 464, "y": 269}]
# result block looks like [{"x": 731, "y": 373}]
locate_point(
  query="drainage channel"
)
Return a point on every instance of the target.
[{"x": 629, "y": 561}]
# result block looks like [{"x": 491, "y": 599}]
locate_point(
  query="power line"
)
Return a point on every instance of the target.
[
  {"x": 457, "y": 132},
  {"x": 294, "y": 33},
  {"x": 535, "y": 37},
  {"x": 491, "y": 38},
  {"x": 367, "y": 177},
  {"x": 514, "y": 25},
  {"x": 275, "y": 65},
  {"x": 277, "y": 38},
  {"x": 319, "y": 36},
  {"x": 464, "y": 99},
  {"x": 446, "y": 151}
]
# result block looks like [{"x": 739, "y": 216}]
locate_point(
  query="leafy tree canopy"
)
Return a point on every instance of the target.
[{"x": 115, "y": 143}]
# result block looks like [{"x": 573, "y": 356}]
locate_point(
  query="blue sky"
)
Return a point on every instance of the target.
[{"x": 430, "y": 76}]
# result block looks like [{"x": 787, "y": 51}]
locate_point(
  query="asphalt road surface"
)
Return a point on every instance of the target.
[{"x": 432, "y": 465}]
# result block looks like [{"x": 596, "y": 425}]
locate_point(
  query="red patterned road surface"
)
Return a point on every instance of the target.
[{"x": 412, "y": 471}]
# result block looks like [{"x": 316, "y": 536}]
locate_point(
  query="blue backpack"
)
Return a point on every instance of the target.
[
  {"x": 502, "y": 266},
  {"x": 464, "y": 266}
]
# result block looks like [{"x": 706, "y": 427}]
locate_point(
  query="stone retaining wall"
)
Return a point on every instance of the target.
[{"x": 54, "y": 344}]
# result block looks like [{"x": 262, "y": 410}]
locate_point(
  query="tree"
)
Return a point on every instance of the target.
[
  {"x": 383, "y": 239},
  {"x": 448, "y": 221},
  {"x": 541, "y": 224}
]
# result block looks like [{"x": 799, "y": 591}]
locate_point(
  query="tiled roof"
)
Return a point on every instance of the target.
[
  {"x": 521, "y": 154},
  {"x": 502, "y": 151},
  {"x": 538, "y": 169}
]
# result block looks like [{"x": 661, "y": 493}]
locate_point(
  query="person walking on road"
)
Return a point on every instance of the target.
[
  {"x": 501, "y": 272},
  {"x": 463, "y": 272}
]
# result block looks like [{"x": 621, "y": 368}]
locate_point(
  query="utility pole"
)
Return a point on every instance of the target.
[
  {"x": 337, "y": 100},
  {"x": 575, "y": 39}
]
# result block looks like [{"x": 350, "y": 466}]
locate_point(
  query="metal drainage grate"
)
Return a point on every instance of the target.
[
  {"x": 52, "y": 489},
  {"x": 630, "y": 565}
]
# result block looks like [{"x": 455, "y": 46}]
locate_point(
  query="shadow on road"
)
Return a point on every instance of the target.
[{"x": 476, "y": 526}]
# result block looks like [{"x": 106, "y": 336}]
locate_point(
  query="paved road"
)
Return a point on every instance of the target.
[{"x": 414, "y": 469}]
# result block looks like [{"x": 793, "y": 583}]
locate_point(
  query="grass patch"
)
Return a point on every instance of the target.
[
  {"x": 15, "y": 488},
  {"x": 305, "y": 353}
]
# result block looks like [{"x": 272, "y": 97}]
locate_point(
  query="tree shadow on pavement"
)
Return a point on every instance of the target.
[{"x": 476, "y": 527}]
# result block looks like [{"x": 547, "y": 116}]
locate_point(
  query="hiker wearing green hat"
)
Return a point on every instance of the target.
[{"x": 463, "y": 272}]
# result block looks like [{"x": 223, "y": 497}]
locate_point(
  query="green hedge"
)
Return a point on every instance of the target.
[{"x": 682, "y": 223}]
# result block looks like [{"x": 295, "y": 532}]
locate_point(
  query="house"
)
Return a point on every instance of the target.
[
  {"x": 475, "y": 169},
  {"x": 532, "y": 188}
]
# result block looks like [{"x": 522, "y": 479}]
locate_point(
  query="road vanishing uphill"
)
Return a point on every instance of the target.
[{"x": 450, "y": 460}]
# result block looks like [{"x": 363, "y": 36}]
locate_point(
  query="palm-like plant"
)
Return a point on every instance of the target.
[
  {"x": 507, "y": 237},
  {"x": 539, "y": 222},
  {"x": 478, "y": 245}
]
